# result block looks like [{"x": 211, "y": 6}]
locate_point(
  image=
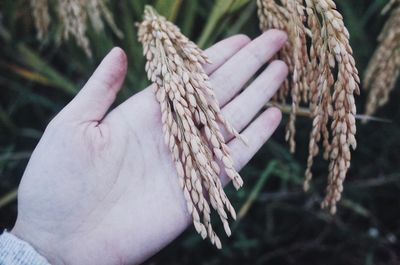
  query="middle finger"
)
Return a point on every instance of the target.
[{"x": 233, "y": 75}]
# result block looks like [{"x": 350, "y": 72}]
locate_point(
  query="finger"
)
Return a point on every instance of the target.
[
  {"x": 96, "y": 97},
  {"x": 257, "y": 134},
  {"x": 220, "y": 52},
  {"x": 233, "y": 75},
  {"x": 239, "y": 112}
]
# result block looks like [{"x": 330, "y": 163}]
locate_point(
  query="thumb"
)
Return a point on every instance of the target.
[{"x": 98, "y": 94}]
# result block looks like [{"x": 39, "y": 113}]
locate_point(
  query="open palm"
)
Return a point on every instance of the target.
[{"x": 101, "y": 188}]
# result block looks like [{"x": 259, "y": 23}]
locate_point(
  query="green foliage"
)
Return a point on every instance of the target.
[{"x": 278, "y": 223}]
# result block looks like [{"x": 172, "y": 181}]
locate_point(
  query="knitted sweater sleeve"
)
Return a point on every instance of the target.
[{"x": 14, "y": 251}]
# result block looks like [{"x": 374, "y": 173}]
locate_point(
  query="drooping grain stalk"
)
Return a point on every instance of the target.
[
  {"x": 40, "y": 10},
  {"x": 73, "y": 16},
  {"x": 323, "y": 77},
  {"x": 343, "y": 127},
  {"x": 384, "y": 68},
  {"x": 290, "y": 17},
  {"x": 300, "y": 62},
  {"x": 174, "y": 65}
]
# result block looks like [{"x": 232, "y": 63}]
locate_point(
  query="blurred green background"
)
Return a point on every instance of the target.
[{"x": 278, "y": 223}]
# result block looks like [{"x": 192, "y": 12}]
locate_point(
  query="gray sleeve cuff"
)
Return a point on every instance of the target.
[{"x": 14, "y": 251}]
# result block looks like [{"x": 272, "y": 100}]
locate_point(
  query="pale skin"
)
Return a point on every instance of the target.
[{"x": 101, "y": 187}]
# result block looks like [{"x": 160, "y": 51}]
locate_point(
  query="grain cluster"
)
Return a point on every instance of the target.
[
  {"x": 384, "y": 67},
  {"x": 323, "y": 77},
  {"x": 72, "y": 16},
  {"x": 190, "y": 118}
]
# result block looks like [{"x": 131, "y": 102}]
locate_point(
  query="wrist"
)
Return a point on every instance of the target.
[{"x": 42, "y": 244}]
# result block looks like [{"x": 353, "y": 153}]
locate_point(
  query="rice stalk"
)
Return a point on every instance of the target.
[
  {"x": 384, "y": 67},
  {"x": 188, "y": 103},
  {"x": 323, "y": 77},
  {"x": 289, "y": 16},
  {"x": 41, "y": 16},
  {"x": 73, "y": 16}
]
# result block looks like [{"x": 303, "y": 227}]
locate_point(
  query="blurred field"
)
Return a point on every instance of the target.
[{"x": 278, "y": 223}]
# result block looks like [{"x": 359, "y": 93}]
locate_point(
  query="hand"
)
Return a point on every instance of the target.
[{"x": 101, "y": 188}]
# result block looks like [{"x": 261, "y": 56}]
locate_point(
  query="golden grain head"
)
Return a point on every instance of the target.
[
  {"x": 188, "y": 103},
  {"x": 73, "y": 16},
  {"x": 384, "y": 67},
  {"x": 323, "y": 77}
]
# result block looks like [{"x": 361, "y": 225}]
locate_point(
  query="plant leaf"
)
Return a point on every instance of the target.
[{"x": 168, "y": 8}]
